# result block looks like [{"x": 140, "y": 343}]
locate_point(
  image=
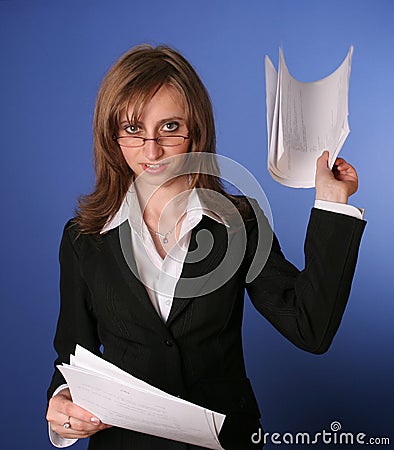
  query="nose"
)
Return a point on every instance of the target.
[{"x": 152, "y": 150}]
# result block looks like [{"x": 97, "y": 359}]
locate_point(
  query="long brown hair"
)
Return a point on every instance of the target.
[{"x": 136, "y": 77}]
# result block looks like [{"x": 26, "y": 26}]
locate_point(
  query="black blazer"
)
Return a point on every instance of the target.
[{"x": 197, "y": 354}]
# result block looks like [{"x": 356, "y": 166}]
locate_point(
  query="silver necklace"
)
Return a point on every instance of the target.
[{"x": 164, "y": 237}]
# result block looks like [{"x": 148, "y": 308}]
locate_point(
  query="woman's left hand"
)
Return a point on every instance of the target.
[{"x": 335, "y": 185}]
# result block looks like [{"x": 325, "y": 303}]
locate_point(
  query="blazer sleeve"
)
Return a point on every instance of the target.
[
  {"x": 307, "y": 306},
  {"x": 76, "y": 322}
]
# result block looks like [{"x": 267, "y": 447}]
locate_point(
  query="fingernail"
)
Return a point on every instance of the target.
[{"x": 95, "y": 420}]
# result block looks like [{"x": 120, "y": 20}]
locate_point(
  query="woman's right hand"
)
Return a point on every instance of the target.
[{"x": 61, "y": 410}]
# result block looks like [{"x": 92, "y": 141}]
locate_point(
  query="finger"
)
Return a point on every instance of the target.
[
  {"x": 343, "y": 167},
  {"x": 64, "y": 406},
  {"x": 322, "y": 161},
  {"x": 72, "y": 434},
  {"x": 82, "y": 425},
  {"x": 75, "y": 429},
  {"x": 341, "y": 164},
  {"x": 70, "y": 420},
  {"x": 82, "y": 416},
  {"x": 346, "y": 169},
  {"x": 324, "y": 156}
]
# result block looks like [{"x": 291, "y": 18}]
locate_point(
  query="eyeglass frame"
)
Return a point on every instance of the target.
[{"x": 156, "y": 139}]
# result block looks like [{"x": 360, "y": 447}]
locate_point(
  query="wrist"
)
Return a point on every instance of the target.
[{"x": 331, "y": 194}]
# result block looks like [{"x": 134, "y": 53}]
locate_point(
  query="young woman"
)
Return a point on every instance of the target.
[{"x": 155, "y": 264}]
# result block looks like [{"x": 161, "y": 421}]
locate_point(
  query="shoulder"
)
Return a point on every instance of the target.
[
  {"x": 71, "y": 226},
  {"x": 85, "y": 247},
  {"x": 71, "y": 230},
  {"x": 72, "y": 235},
  {"x": 248, "y": 207}
]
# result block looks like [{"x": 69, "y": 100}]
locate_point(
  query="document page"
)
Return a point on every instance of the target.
[
  {"x": 119, "y": 399},
  {"x": 303, "y": 120}
]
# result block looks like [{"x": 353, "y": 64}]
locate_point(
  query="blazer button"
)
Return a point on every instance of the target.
[{"x": 168, "y": 343}]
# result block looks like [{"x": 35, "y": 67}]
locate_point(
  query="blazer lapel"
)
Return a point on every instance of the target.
[
  {"x": 120, "y": 242},
  {"x": 208, "y": 245}
]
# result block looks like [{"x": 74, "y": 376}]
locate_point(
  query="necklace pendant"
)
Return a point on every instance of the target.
[{"x": 165, "y": 240}]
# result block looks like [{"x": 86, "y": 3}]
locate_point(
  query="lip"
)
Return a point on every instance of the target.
[{"x": 154, "y": 168}]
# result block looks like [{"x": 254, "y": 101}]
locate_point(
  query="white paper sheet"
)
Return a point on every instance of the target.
[
  {"x": 303, "y": 120},
  {"x": 119, "y": 399}
]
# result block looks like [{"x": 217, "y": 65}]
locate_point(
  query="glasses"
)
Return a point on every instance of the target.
[{"x": 163, "y": 141}]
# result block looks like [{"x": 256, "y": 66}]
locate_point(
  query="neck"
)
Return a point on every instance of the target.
[{"x": 164, "y": 206}]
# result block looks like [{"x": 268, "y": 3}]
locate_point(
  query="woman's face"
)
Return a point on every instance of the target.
[{"x": 163, "y": 115}]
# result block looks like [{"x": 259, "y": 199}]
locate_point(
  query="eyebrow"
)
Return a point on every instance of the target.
[{"x": 161, "y": 122}]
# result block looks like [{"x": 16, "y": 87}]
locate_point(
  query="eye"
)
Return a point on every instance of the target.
[
  {"x": 131, "y": 129},
  {"x": 170, "y": 126}
]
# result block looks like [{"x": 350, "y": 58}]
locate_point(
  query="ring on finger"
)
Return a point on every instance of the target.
[{"x": 67, "y": 424}]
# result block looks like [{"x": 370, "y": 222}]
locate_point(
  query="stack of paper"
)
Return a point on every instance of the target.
[
  {"x": 303, "y": 120},
  {"x": 119, "y": 399}
]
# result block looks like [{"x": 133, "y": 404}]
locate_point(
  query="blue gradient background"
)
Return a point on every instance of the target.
[{"x": 53, "y": 57}]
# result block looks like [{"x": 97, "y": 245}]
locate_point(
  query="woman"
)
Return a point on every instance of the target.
[{"x": 139, "y": 284}]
